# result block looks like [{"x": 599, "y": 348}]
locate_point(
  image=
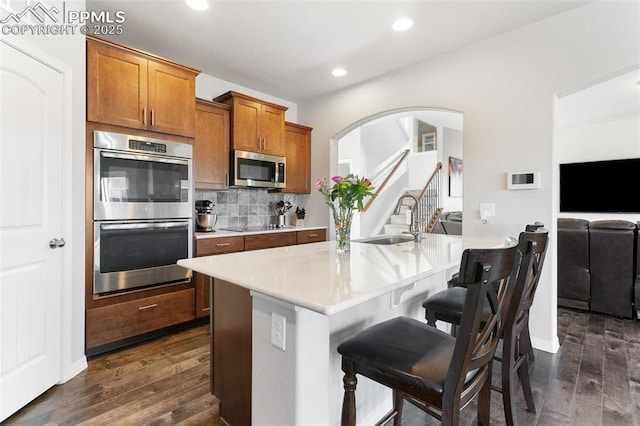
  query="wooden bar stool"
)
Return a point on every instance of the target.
[
  {"x": 448, "y": 305},
  {"x": 433, "y": 370}
]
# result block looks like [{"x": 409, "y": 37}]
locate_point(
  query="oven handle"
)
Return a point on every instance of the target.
[
  {"x": 110, "y": 154},
  {"x": 154, "y": 225}
]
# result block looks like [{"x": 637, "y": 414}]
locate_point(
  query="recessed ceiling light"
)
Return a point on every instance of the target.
[
  {"x": 402, "y": 24},
  {"x": 197, "y": 4},
  {"x": 339, "y": 72}
]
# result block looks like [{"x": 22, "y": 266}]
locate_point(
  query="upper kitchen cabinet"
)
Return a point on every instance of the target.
[
  {"x": 256, "y": 125},
  {"x": 298, "y": 152},
  {"x": 211, "y": 145},
  {"x": 129, "y": 88}
]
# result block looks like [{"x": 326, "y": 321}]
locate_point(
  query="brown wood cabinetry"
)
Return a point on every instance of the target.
[
  {"x": 208, "y": 247},
  {"x": 311, "y": 236},
  {"x": 211, "y": 145},
  {"x": 264, "y": 241},
  {"x": 119, "y": 321},
  {"x": 231, "y": 351},
  {"x": 298, "y": 153},
  {"x": 256, "y": 125},
  {"x": 129, "y": 88}
]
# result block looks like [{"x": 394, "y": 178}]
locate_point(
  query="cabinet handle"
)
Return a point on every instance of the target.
[
  {"x": 264, "y": 143},
  {"x": 144, "y": 116},
  {"x": 223, "y": 244},
  {"x": 153, "y": 120},
  {"x": 312, "y": 235},
  {"x": 142, "y": 308}
]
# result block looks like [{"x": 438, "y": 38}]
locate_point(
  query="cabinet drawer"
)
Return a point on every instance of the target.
[
  {"x": 209, "y": 246},
  {"x": 120, "y": 321},
  {"x": 263, "y": 241},
  {"x": 312, "y": 236}
]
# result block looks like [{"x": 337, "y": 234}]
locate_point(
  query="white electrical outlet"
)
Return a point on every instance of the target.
[{"x": 278, "y": 330}]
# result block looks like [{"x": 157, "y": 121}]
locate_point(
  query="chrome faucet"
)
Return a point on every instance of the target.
[{"x": 415, "y": 228}]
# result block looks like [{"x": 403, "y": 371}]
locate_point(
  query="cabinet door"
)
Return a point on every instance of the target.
[
  {"x": 246, "y": 119},
  {"x": 211, "y": 146},
  {"x": 171, "y": 99},
  {"x": 207, "y": 247},
  {"x": 298, "y": 153},
  {"x": 272, "y": 130},
  {"x": 203, "y": 292},
  {"x": 116, "y": 87}
]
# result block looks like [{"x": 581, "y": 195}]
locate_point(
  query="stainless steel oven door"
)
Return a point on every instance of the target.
[
  {"x": 141, "y": 186},
  {"x": 140, "y": 253}
]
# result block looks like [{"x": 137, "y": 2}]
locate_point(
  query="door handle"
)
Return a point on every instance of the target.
[{"x": 55, "y": 243}]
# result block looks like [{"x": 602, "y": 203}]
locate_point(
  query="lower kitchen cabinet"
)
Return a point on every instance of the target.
[
  {"x": 120, "y": 321},
  {"x": 272, "y": 240},
  {"x": 311, "y": 236},
  {"x": 208, "y": 247}
]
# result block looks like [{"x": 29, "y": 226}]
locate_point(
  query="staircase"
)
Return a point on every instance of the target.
[{"x": 429, "y": 207}]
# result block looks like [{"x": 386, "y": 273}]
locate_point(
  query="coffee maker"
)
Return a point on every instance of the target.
[{"x": 205, "y": 219}]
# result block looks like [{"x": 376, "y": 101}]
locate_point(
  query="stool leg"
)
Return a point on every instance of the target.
[
  {"x": 398, "y": 402},
  {"x": 508, "y": 392},
  {"x": 523, "y": 373},
  {"x": 484, "y": 400},
  {"x": 431, "y": 317},
  {"x": 349, "y": 401},
  {"x": 526, "y": 339}
]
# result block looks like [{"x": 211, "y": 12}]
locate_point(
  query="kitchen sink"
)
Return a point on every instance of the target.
[{"x": 385, "y": 239}]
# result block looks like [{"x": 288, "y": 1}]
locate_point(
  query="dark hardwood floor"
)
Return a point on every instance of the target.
[
  {"x": 161, "y": 382},
  {"x": 593, "y": 380}
]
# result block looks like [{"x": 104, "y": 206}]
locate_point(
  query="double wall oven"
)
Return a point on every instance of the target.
[{"x": 142, "y": 211}]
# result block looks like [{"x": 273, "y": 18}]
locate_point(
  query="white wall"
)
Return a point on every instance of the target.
[
  {"x": 209, "y": 87},
  {"x": 505, "y": 87}
]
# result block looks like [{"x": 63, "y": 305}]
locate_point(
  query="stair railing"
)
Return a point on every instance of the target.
[
  {"x": 380, "y": 187},
  {"x": 430, "y": 200}
]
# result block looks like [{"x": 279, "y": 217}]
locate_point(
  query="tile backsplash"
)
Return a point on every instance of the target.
[{"x": 240, "y": 207}]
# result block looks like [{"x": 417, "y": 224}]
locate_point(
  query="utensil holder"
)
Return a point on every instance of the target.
[{"x": 280, "y": 223}]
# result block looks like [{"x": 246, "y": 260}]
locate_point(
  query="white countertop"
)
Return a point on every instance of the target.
[
  {"x": 313, "y": 276},
  {"x": 218, "y": 233}
]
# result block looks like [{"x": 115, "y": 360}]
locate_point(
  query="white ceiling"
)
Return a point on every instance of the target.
[{"x": 288, "y": 48}]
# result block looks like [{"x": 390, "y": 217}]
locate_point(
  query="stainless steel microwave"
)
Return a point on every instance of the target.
[{"x": 252, "y": 169}]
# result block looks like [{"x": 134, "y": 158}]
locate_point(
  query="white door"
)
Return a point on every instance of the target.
[{"x": 31, "y": 129}]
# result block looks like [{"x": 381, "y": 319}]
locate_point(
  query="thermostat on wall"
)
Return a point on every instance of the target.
[{"x": 523, "y": 180}]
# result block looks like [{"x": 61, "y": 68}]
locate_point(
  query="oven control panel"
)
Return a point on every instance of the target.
[{"x": 147, "y": 146}]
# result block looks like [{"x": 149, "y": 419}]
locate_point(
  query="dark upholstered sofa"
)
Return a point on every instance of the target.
[
  {"x": 449, "y": 223},
  {"x": 574, "y": 279},
  {"x": 598, "y": 266}
]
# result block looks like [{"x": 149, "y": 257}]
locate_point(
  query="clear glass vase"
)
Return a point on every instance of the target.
[{"x": 342, "y": 217}]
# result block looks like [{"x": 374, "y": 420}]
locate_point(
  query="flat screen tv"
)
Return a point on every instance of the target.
[{"x": 611, "y": 186}]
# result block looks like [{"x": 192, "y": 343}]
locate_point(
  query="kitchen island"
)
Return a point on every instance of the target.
[{"x": 302, "y": 302}]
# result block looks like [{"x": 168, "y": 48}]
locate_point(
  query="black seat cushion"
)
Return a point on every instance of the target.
[
  {"x": 405, "y": 350},
  {"x": 448, "y": 304}
]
